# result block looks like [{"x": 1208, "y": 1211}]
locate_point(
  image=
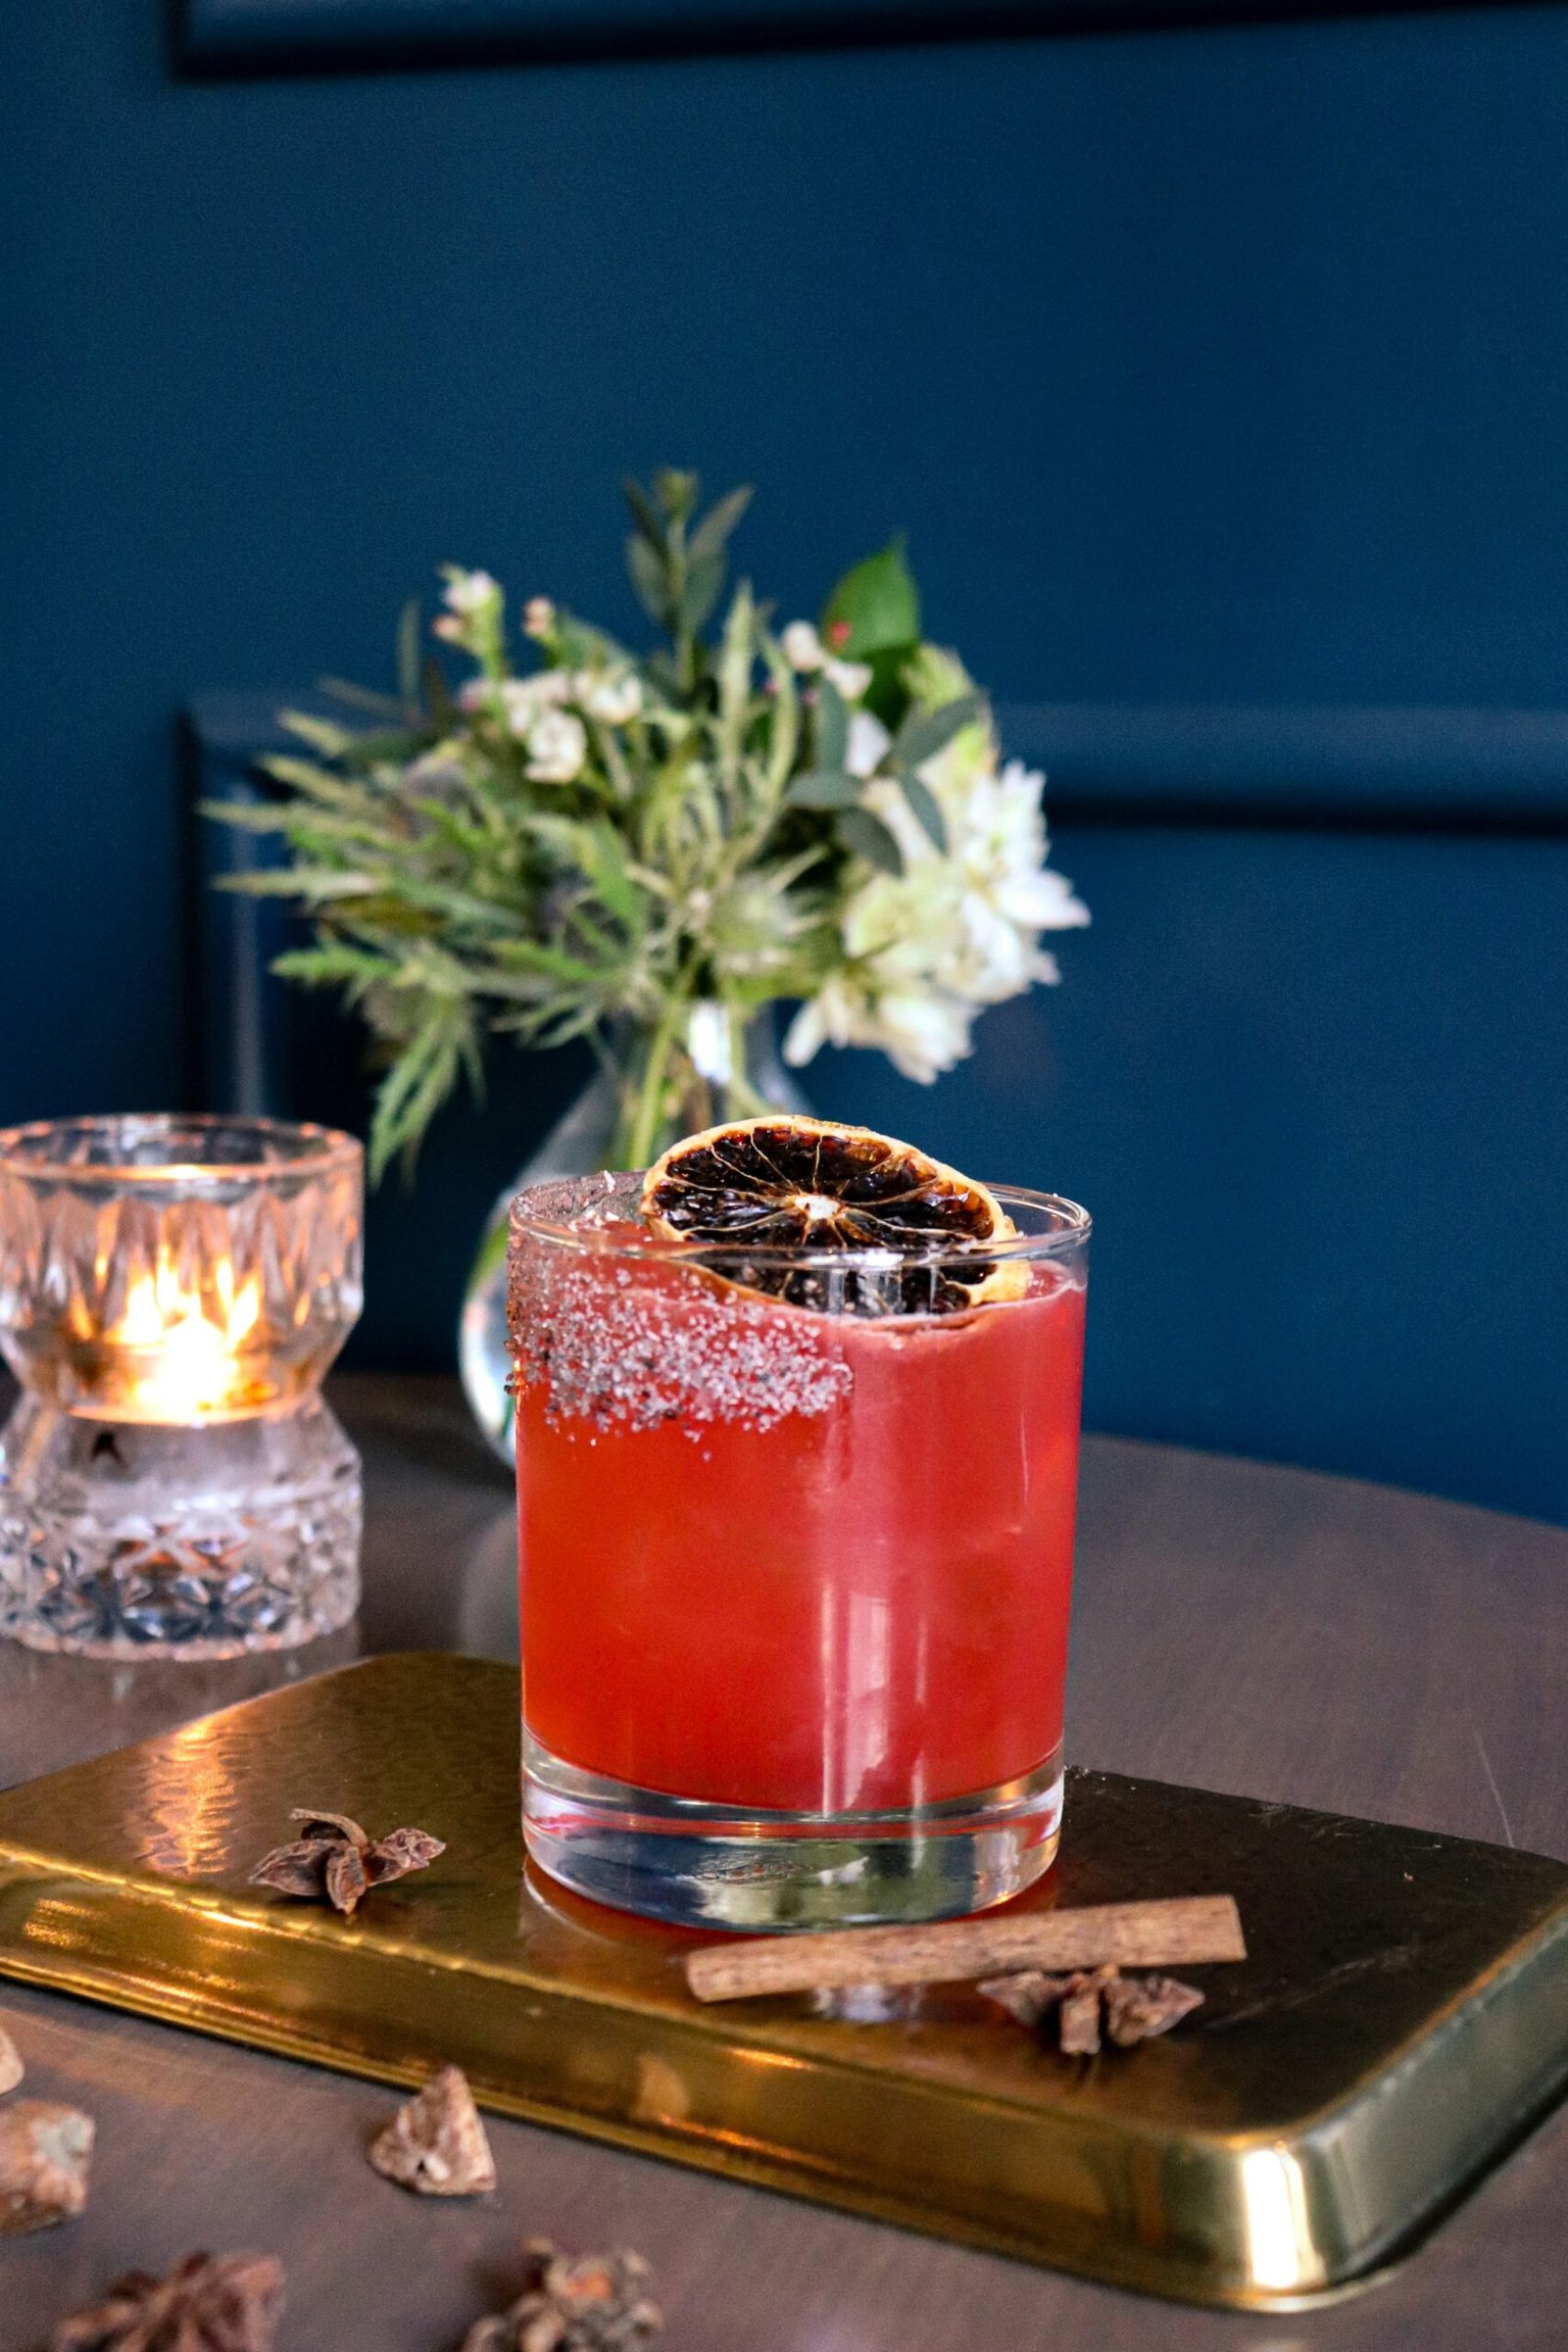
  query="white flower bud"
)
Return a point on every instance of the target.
[
  {"x": 557, "y": 746},
  {"x": 538, "y": 616},
  {"x": 869, "y": 742},
  {"x": 852, "y": 678},
  {"x": 707, "y": 1042},
  {"x": 470, "y": 592},
  {"x": 803, "y": 647},
  {"x": 615, "y": 701}
]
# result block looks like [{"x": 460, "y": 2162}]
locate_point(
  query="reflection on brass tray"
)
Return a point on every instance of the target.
[{"x": 1401, "y": 2016}]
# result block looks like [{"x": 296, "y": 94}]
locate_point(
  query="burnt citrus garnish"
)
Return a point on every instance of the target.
[{"x": 911, "y": 1232}]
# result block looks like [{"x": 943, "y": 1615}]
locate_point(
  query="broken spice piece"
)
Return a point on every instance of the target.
[
  {"x": 11, "y": 2067},
  {"x": 597, "y": 2303},
  {"x": 333, "y": 1860},
  {"x": 1131, "y": 2009},
  {"x": 223, "y": 2303},
  {"x": 44, "y": 2154},
  {"x": 435, "y": 2144}
]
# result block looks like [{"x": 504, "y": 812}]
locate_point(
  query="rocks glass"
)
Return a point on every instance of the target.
[
  {"x": 172, "y": 1291},
  {"x": 795, "y": 1584}
]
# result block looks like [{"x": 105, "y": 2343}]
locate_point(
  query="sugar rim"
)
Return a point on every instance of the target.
[{"x": 1070, "y": 1230}]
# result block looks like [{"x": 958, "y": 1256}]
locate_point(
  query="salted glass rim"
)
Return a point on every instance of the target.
[
  {"x": 309, "y": 1148},
  {"x": 1071, "y": 1228}
]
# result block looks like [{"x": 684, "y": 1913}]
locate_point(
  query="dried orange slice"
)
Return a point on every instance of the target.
[{"x": 784, "y": 1184}]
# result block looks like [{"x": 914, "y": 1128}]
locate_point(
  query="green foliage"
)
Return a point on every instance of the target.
[
  {"x": 602, "y": 840},
  {"x": 875, "y": 608}
]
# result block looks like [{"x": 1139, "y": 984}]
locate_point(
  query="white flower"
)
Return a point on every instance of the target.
[
  {"x": 922, "y": 1031},
  {"x": 523, "y": 701},
  {"x": 804, "y": 651},
  {"x": 469, "y": 592},
  {"x": 538, "y": 616},
  {"x": 958, "y": 929},
  {"x": 709, "y": 1042},
  {"x": 869, "y": 742},
  {"x": 612, "y": 699},
  {"x": 803, "y": 647},
  {"x": 852, "y": 678},
  {"x": 557, "y": 746}
]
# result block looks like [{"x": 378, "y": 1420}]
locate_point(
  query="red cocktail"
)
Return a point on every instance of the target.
[{"x": 795, "y": 1582}]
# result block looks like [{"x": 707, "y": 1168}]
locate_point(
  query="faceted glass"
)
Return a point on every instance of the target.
[
  {"x": 794, "y": 1580},
  {"x": 172, "y": 1291}
]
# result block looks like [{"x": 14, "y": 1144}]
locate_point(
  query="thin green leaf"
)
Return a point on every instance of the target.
[
  {"x": 408, "y": 637},
  {"x": 323, "y": 734},
  {"x": 868, "y": 837},
  {"x": 314, "y": 883},
  {"x": 416, "y": 1085},
  {"x": 250, "y": 817},
  {"x": 360, "y": 698},
  {"x": 553, "y": 962}
]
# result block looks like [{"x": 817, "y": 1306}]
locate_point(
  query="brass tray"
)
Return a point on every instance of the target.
[{"x": 1402, "y": 2017}]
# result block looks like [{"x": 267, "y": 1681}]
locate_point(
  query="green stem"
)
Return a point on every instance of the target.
[{"x": 645, "y": 1122}]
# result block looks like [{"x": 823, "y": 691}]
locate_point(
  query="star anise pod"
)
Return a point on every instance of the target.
[
  {"x": 597, "y": 2303},
  {"x": 45, "y": 2152},
  {"x": 435, "y": 2144},
  {"x": 223, "y": 2303},
  {"x": 1131, "y": 2009},
  {"x": 332, "y": 1859}
]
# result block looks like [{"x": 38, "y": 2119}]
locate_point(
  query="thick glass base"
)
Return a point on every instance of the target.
[
  {"x": 704, "y": 1865},
  {"x": 126, "y": 1540}
]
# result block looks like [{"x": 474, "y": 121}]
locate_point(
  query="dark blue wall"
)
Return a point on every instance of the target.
[{"x": 1211, "y": 367}]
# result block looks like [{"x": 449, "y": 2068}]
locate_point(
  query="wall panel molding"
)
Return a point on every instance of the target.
[
  {"x": 222, "y": 38},
  {"x": 1435, "y": 767}
]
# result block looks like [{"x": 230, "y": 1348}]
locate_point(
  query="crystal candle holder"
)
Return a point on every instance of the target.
[{"x": 172, "y": 1293}]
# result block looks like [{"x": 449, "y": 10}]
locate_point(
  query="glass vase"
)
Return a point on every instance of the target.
[{"x": 599, "y": 1131}]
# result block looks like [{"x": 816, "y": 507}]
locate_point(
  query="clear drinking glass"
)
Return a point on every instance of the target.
[
  {"x": 795, "y": 1578},
  {"x": 172, "y": 1291}
]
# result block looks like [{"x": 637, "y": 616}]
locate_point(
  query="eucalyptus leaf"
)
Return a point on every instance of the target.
[
  {"x": 925, "y": 733},
  {"x": 701, "y": 593},
  {"x": 711, "y": 534},
  {"x": 824, "y": 788},
  {"x": 868, "y": 837},
  {"x": 644, "y": 513},
  {"x": 649, "y": 578},
  {"x": 832, "y": 725},
  {"x": 925, "y": 807}
]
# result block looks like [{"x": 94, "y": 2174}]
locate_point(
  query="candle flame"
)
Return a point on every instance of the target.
[{"x": 192, "y": 1363}]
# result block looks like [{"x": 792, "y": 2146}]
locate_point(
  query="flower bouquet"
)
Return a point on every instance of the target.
[{"x": 647, "y": 850}]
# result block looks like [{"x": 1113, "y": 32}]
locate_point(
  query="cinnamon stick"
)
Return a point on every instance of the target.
[{"x": 1152, "y": 1934}]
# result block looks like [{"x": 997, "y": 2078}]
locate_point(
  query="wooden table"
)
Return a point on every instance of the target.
[{"x": 1243, "y": 1628}]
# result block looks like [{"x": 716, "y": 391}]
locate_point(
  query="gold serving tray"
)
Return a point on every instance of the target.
[{"x": 1402, "y": 2017}]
